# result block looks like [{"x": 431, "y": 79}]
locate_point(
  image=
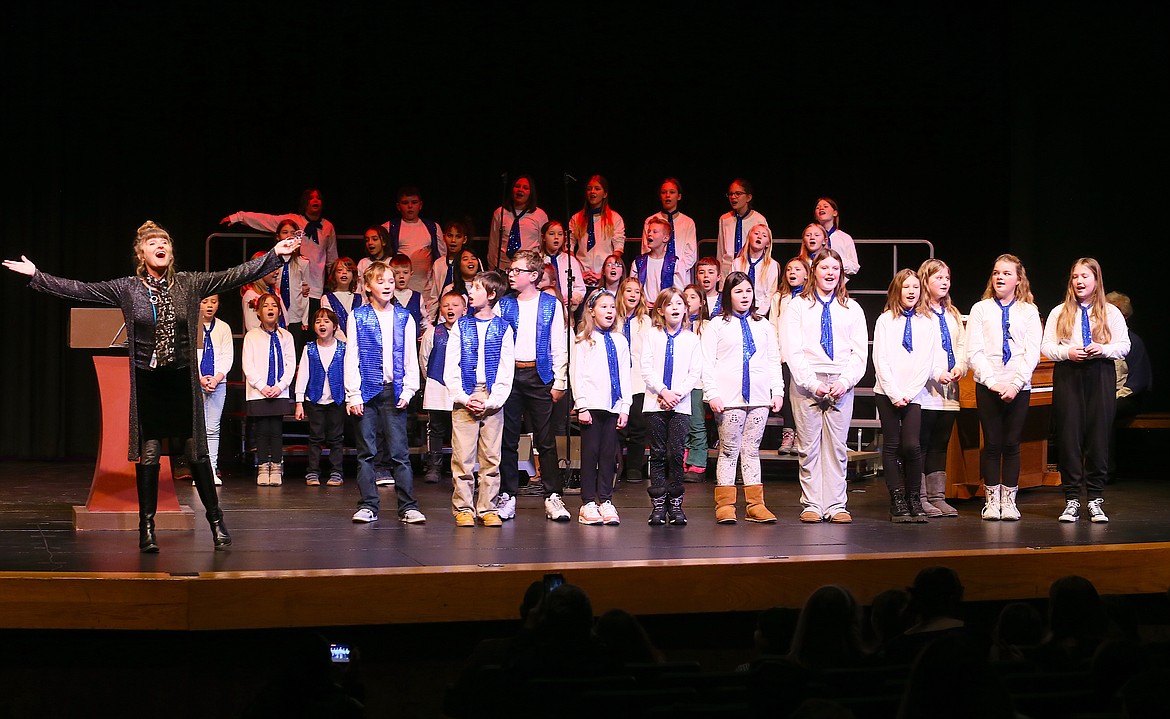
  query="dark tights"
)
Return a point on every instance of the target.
[{"x": 1003, "y": 425}]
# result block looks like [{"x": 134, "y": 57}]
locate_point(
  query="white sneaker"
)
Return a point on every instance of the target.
[
  {"x": 991, "y": 510},
  {"x": 589, "y": 514},
  {"x": 506, "y": 506},
  {"x": 384, "y": 482},
  {"x": 365, "y": 515},
  {"x": 1096, "y": 514},
  {"x": 609, "y": 513},
  {"x": 413, "y": 516},
  {"x": 1072, "y": 511},
  {"x": 554, "y": 508},
  {"x": 1008, "y": 511}
]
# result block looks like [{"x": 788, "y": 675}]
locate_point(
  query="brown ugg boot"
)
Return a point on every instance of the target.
[
  {"x": 725, "y": 504},
  {"x": 756, "y": 511}
]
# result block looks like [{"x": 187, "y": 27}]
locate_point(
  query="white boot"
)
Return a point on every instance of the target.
[
  {"x": 1007, "y": 504},
  {"x": 991, "y": 510}
]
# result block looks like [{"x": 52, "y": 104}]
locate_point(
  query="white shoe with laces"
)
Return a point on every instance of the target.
[
  {"x": 1071, "y": 511},
  {"x": 365, "y": 515},
  {"x": 609, "y": 513},
  {"x": 991, "y": 510},
  {"x": 589, "y": 514},
  {"x": 506, "y": 506},
  {"x": 413, "y": 516},
  {"x": 554, "y": 508},
  {"x": 1008, "y": 511},
  {"x": 1096, "y": 514}
]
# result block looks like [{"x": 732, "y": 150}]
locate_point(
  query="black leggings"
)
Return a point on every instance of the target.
[
  {"x": 598, "y": 449},
  {"x": 668, "y": 435},
  {"x": 1003, "y": 425},
  {"x": 268, "y": 434},
  {"x": 901, "y": 433},
  {"x": 937, "y": 425}
]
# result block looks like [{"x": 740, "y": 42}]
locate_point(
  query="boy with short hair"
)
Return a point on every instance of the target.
[
  {"x": 707, "y": 278},
  {"x": 381, "y": 377},
  {"x": 478, "y": 373},
  {"x": 436, "y": 397},
  {"x": 683, "y": 240},
  {"x": 405, "y": 297},
  {"x": 537, "y": 320},
  {"x": 416, "y": 237},
  {"x": 657, "y": 269}
]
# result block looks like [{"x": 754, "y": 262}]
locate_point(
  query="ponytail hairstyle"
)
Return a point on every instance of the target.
[{"x": 585, "y": 331}]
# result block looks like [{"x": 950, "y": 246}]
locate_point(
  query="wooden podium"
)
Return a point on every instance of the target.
[
  {"x": 113, "y": 496},
  {"x": 963, "y": 481}
]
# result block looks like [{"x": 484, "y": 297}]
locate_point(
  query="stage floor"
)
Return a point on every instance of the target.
[{"x": 297, "y": 552}]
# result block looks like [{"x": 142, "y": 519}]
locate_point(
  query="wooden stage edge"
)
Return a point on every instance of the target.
[{"x": 356, "y": 597}]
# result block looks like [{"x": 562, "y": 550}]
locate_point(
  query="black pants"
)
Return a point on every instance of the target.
[
  {"x": 786, "y": 408},
  {"x": 531, "y": 398},
  {"x": 268, "y": 434},
  {"x": 438, "y": 429},
  {"x": 901, "y": 444},
  {"x": 598, "y": 448},
  {"x": 668, "y": 436},
  {"x": 326, "y": 429},
  {"x": 937, "y": 426},
  {"x": 1084, "y": 400},
  {"x": 1003, "y": 425},
  {"x": 634, "y": 439}
]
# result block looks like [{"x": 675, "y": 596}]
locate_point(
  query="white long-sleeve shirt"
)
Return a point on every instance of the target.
[
  {"x": 937, "y": 396},
  {"x": 453, "y": 370},
  {"x": 686, "y": 241},
  {"x": 726, "y": 238},
  {"x": 1057, "y": 348},
  {"x": 901, "y": 374},
  {"x": 318, "y": 256},
  {"x": 326, "y": 353},
  {"x": 254, "y": 362},
  {"x": 842, "y": 243},
  {"x": 722, "y": 343},
  {"x": 298, "y": 306},
  {"x": 353, "y": 377},
  {"x": 221, "y": 345},
  {"x": 686, "y": 369},
  {"x": 639, "y": 328},
  {"x": 530, "y": 224},
  {"x": 606, "y": 242},
  {"x": 985, "y": 343},
  {"x": 801, "y": 328},
  {"x": 780, "y": 302},
  {"x": 592, "y": 387}
]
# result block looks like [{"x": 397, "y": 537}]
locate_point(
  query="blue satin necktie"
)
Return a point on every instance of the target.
[
  {"x": 749, "y": 349},
  {"x": 826, "y": 325},
  {"x": 207, "y": 363},
  {"x": 946, "y": 338},
  {"x": 907, "y": 338},
  {"x": 615, "y": 377},
  {"x": 1007, "y": 326},
  {"x": 275, "y": 363}
]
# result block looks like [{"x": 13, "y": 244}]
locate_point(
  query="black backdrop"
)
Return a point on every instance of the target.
[{"x": 982, "y": 127}]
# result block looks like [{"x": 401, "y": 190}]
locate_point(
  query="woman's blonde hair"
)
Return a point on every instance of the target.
[
  {"x": 1068, "y": 321},
  {"x": 929, "y": 269},
  {"x": 148, "y": 231},
  {"x": 587, "y": 325},
  {"x": 1023, "y": 287},
  {"x": 657, "y": 317},
  {"x": 810, "y": 286},
  {"x": 745, "y": 252},
  {"x": 638, "y": 310},
  {"x": 894, "y": 294}
]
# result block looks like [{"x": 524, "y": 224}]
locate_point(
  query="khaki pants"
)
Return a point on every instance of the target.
[
  {"x": 475, "y": 438},
  {"x": 821, "y": 434}
]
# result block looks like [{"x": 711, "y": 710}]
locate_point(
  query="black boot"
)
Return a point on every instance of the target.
[
  {"x": 914, "y": 504},
  {"x": 146, "y": 477},
  {"x": 899, "y": 508},
  {"x": 434, "y": 467},
  {"x": 674, "y": 511},
  {"x": 657, "y": 511},
  {"x": 205, "y": 486}
]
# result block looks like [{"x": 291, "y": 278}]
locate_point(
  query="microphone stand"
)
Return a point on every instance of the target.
[{"x": 569, "y": 281}]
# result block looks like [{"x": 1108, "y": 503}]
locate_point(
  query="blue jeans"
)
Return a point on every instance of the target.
[{"x": 382, "y": 413}]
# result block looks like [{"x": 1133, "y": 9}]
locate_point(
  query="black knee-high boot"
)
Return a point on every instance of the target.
[
  {"x": 146, "y": 477},
  {"x": 205, "y": 486}
]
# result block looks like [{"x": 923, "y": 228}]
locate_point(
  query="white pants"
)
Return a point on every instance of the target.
[
  {"x": 740, "y": 432},
  {"x": 212, "y": 412},
  {"x": 821, "y": 435}
]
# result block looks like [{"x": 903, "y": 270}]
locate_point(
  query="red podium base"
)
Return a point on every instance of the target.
[{"x": 113, "y": 496}]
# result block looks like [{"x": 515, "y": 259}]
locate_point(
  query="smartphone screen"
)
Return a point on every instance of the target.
[{"x": 339, "y": 653}]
